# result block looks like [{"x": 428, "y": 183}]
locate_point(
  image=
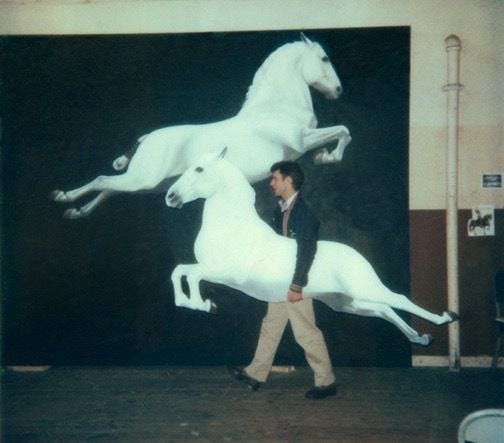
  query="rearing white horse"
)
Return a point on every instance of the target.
[
  {"x": 236, "y": 248},
  {"x": 276, "y": 122}
]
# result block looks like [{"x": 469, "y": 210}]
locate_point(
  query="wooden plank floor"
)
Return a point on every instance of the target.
[{"x": 205, "y": 404}]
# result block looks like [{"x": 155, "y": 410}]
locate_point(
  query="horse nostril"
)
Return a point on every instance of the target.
[
  {"x": 174, "y": 200},
  {"x": 171, "y": 198},
  {"x": 339, "y": 89}
]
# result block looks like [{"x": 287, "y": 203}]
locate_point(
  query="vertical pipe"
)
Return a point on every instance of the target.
[
  {"x": 452, "y": 88},
  {"x": 1, "y": 262}
]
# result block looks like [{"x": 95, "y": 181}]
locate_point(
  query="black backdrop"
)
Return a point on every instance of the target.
[{"x": 97, "y": 290}]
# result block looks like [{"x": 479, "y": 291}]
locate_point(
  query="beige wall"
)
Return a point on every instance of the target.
[{"x": 478, "y": 23}]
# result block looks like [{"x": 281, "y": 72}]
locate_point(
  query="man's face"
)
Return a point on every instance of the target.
[{"x": 282, "y": 187}]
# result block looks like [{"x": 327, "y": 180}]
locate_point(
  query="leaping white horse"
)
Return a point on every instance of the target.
[
  {"x": 236, "y": 248},
  {"x": 276, "y": 122}
]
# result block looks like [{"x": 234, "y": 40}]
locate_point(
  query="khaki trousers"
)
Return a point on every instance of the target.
[{"x": 306, "y": 333}]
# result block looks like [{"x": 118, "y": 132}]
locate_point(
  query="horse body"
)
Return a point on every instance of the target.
[
  {"x": 276, "y": 122},
  {"x": 236, "y": 248},
  {"x": 253, "y": 145}
]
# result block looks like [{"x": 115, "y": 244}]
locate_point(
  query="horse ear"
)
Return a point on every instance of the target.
[
  {"x": 305, "y": 39},
  {"x": 223, "y": 153}
]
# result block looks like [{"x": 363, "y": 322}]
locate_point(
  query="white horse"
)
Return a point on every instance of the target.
[
  {"x": 276, "y": 122},
  {"x": 236, "y": 248}
]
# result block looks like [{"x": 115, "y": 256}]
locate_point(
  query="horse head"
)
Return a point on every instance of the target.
[
  {"x": 289, "y": 71},
  {"x": 318, "y": 71},
  {"x": 198, "y": 181}
]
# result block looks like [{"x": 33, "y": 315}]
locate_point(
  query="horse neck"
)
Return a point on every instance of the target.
[
  {"x": 280, "y": 79},
  {"x": 233, "y": 202}
]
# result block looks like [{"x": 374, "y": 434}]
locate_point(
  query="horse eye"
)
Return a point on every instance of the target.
[
  {"x": 325, "y": 58},
  {"x": 199, "y": 169}
]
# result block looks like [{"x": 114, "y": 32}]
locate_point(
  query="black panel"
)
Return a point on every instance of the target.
[{"x": 97, "y": 290}]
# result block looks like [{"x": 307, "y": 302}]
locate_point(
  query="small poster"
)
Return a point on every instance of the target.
[
  {"x": 491, "y": 180},
  {"x": 482, "y": 222}
]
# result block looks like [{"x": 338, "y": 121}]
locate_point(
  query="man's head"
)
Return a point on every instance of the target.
[{"x": 286, "y": 178}]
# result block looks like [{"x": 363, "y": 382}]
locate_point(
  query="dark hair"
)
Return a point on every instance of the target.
[{"x": 292, "y": 170}]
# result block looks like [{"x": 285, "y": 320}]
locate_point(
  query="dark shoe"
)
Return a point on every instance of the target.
[
  {"x": 319, "y": 392},
  {"x": 241, "y": 375}
]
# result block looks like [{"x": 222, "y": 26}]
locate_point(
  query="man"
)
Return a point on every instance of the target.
[{"x": 292, "y": 219}]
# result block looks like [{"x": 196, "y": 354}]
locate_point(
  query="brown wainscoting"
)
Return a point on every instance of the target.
[{"x": 479, "y": 259}]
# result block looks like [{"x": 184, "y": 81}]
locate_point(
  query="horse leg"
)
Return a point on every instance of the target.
[
  {"x": 317, "y": 137},
  {"x": 399, "y": 301},
  {"x": 107, "y": 186},
  {"x": 85, "y": 210},
  {"x": 387, "y": 313},
  {"x": 119, "y": 183},
  {"x": 181, "y": 299},
  {"x": 194, "y": 277},
  {"x": 194, "y": 274},
  {"x": 343, "y": 303}
]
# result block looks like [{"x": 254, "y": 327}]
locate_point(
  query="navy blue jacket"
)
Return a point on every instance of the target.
[{"x": 303, "y": 227}]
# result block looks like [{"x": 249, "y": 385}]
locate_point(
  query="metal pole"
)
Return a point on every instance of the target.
[{"x": 452, "y": 88}]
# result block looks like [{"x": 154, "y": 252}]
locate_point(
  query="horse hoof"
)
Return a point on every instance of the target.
[
  {"x": 58, "y": 196},
  {"x": 454, "y": 316},
  {"x": 427, "y": 340},
  {"x": 73, "y": 213},
  {"x": 321, "y": 157}
]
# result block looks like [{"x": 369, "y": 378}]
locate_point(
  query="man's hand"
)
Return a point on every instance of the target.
[{"x": 293, "y": 296}]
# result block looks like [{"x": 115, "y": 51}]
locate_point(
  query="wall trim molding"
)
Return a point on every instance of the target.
[{"x": 482, "y": 361}]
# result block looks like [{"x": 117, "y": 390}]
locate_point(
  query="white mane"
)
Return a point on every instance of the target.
[
  {"x": 267, "y": 77},
  {"x": 233, "y": 181}
]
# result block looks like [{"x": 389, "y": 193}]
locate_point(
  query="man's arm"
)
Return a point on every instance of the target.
[{"x": 306, "y": 229}]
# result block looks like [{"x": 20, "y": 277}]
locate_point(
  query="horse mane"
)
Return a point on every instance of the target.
[
  {"x": 236, "y": 182},
  {"x": 282, "y": 56}
]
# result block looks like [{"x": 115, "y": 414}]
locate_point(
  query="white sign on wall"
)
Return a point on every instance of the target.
[{"x": 482, "y": 221}]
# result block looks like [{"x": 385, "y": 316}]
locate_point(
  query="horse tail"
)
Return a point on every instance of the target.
[{"x": 121, "y": 162}]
